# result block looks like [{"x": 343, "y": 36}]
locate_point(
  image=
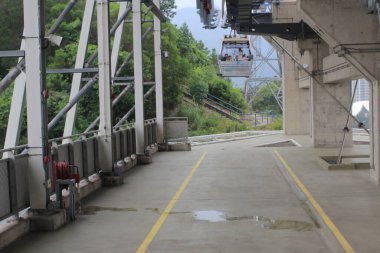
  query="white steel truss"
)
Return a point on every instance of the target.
[
  {"x": 30, "y": 85},
  {"x": 266, "y": 69}
]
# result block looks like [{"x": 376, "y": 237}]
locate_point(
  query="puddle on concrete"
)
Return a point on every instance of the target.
[
  {"x": 154, "y": 210},
  {"x": 211, "y": 216},
  {"x": 263, "y": 222},
  {"x": 92, "y": 210},
  {"x": 276, "y": 224}
]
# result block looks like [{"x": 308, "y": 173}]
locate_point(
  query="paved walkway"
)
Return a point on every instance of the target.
[{"x": 238, "y": 199}]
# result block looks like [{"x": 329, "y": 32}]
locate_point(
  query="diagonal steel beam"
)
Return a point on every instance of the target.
[
  {"x": 129, "y": 113},
  {"x": 79, "y": 62},
  {"x": 117, "y": 99},
  {"x": 114, "y": 28}
]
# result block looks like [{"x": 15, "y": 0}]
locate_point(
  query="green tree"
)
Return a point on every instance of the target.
[
  {"x": 198, "y": 86},
  {"x": 168, "y": 8},
  {"x": 11, "y": 20},
  {"x": 194, "y": 51}
]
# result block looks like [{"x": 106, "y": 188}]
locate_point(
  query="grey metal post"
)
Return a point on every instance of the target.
[
  {"x": 77, "y": 77},
  {"x": 105, "y": 107},
  {"x": 36, "y": 103},
  {"x": 138, "y": 73},
  {"x": 158, "y": 77}
]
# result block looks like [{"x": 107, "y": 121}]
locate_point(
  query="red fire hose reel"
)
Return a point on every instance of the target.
[{"x": 62, "y": 170}]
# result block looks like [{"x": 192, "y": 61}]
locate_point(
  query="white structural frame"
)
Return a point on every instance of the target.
[
  {"x": 31, "y": 87},
  {"x": 79, "y": 63},
  {"x": 36, "y": 102},
  {"x": 254, "y": 82},
  {"x": 105, "y": 104},
  {"x": 16, "y": 112},
  {"x": 138, "y": 74},
  {"x": 158, "y": 77}
]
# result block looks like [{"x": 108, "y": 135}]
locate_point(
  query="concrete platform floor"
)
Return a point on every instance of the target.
[{"x": 239, "y": 200}]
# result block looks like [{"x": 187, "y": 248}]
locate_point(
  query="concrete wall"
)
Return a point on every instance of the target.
[
  {"x": 297, "y": 117},
  {"x": 344, "y": 25}
]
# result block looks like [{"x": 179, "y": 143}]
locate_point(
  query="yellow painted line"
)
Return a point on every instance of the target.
[
  {"x": 153, "y": 232},
  {"x": 326, "y": 219}
]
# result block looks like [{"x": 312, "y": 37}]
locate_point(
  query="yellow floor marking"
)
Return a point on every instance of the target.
[
  {"x": 153, "y": 232},
  {"x": 338, "y": 235}
]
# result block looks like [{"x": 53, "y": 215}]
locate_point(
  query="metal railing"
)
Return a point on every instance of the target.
[
  {"x": 261, "y": 118},
  {"x": 224, "y": 104},
  {"x": 83, "y": 153}
]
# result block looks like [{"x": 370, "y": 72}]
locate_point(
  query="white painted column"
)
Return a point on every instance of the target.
[
  {"x": 138, "y": 74},
  {"x": 105, "y": 105},
  {"x": 158, "y": 77},
  {"x": 79, "y": 63},
  {"x": 36, "y": 103}
]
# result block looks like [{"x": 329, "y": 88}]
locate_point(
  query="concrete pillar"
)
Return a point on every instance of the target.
[
  {"x": 347, "y": 22},
  {"x": 328, "y": 117},
  {"x": 297, "y": 119}
]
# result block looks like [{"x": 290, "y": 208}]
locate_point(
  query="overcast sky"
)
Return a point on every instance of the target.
[{"x": 192, "y": 3}]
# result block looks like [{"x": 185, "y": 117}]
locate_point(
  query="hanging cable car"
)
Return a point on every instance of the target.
[{"x": 235, "y": 57}]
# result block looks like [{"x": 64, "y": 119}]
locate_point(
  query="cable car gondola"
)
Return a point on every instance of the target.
[{"x": 235, "y": 57}]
